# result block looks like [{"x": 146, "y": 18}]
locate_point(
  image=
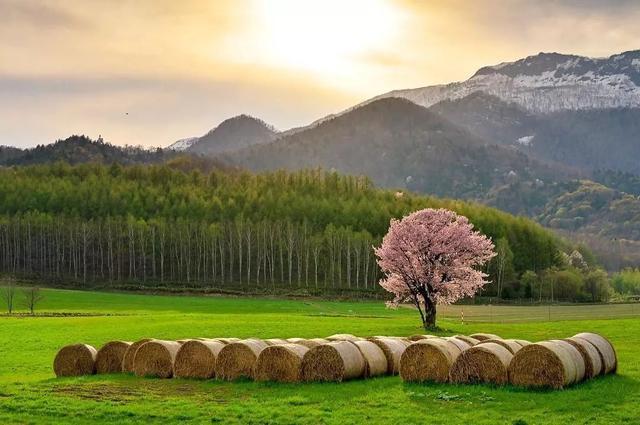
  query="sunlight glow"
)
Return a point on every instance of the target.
[{"x": 329, "y": 37}]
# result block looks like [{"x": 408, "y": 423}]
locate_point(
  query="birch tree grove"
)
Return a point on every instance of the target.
[
  {"x": 184, "y": 253},
  {"x": 175, "y": 225}
]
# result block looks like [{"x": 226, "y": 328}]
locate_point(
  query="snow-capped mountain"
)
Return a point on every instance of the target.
[
  {"x": 546, "y": 82},
  {"x": 182, "y": 144}
]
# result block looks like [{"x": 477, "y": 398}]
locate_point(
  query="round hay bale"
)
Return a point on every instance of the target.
[
  {"x": 334, "y": 361},
  {"x": 197, "y": 359},
  {"x": 590, "y": 355},
  {"x": 605, "y": 348},
  {"x": 421, "y": 337},
  {"x": 110, "y": 356},
  {"x": 275, "y": 341},
  {"x": 428, "y": 360},
  {"x": 343, "y": 337},
  {"x": 130, "y": 354},
  {"x": 392, "y": 349},
  {"x": 487, "y": 362},
  {"x": 375, "y": 360},
  {"x": 578, "y": 361},
  {"x": 155, "y": 358},
  {"x": 309, "y": 343},
  {"x": 462, "y": 345},
  {"x": 467, "y": 339},
  {"x": 483, "y": 336},
  {"x": 237, "y": 359},
  {"x": 75, "y": 360},
  {"x": 509, "y": 344},
  {"x": 280, "y": 363},
  {"x": 544, "y": 364}
]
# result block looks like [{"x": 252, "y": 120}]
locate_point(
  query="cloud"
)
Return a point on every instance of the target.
[
  {"x": 152, "y": 112},
  {"x": 37, "y": 14},
  {"x": 180, "y": 67}
]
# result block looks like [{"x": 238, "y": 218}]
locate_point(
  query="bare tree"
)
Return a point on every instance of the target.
[
  {"x": 32, "y": 296},
  {"x": 8, "y": 294}
]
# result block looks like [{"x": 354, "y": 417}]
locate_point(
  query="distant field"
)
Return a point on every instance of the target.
[
  {"x": 511, "y": 314},
  {"x": 30, "y": 394}
]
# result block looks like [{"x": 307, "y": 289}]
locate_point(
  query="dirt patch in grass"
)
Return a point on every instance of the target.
[
  {"x": 101, "y": 392},
  {"x": 61, "y": 314},
  {"x": 120, "y": 393}
]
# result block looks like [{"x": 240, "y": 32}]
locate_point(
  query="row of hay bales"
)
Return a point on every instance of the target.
[
  {"x": 487, "y": 358},
  {"x": 458, "y": 359},
  {"x": 335, "y": 358}
]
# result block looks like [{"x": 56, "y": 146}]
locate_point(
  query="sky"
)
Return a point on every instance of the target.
[{"x": 149, "y": 72}]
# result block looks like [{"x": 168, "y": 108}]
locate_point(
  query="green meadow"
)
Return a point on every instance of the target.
[{"x": 29, "y": 392}]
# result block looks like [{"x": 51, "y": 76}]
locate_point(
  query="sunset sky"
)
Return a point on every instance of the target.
[{"x": 152, "y": 71}]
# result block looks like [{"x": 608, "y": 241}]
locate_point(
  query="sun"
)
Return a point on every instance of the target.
[{"x": 329, "y": 37}]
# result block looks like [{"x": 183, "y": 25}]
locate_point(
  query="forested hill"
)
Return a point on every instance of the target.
[
  {"x": 155, "y": 223},
  {"x": 81, "y": 149}
]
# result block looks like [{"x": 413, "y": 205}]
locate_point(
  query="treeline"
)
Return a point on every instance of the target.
[
  {"x": 162, "y": 225},
  {"x": 192, "y": 254}
]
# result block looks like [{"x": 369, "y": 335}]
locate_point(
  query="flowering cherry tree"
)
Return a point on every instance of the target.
[{"x": 432, "y": 257}]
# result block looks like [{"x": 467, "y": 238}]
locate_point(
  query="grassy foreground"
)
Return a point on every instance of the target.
[{"x": 29, "y": 393}]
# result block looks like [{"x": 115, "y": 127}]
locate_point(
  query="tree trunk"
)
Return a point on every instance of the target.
[{"x": 429, "y": 314}]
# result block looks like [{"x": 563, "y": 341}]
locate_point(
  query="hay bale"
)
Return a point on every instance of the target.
[
  {"x": 275, "y": 341},
  {"x": 110, "y": 356},
  {"x": 237, "y": 359},
  {"x": 544, "y": 364},
  {"x": 487, "y": 362},
  {"x": 605, "y": 348},
  {"x": 428, "y": 360},
  {"x": 483, "y": 336},
  {"x": 334, "y": 361},
  {"x": 130, "y": 354},
  {"x": 421, "y": 337},
  {"x": 578, "y": 360},
  {"x": 590, "y": 355},
  {"x": 155, "y": 358},
  {"x": 309, "y": 343},
  {"x": 392, "y": 349},
  {"x": 75, "y": 360},
  {"x": 509, "y": 344},
  {"x": 467, "y": 339},
  {"x": 343, "y": 337},
  {"x": 375, "y": 360},
  {"x": 280, "y": 363},
  {"x": 197, "y": 359},
  {"x": 462, "y": 345}
]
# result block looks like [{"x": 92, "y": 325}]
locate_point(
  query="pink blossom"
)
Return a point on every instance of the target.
[{"x": 432, "y": 257}]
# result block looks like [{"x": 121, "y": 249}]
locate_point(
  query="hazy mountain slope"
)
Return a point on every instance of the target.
[
  {"x": 585, "y": 139},
  {"x": 490, "y": 118},
  {"x": 400, "y": 144},
  {"x": 235, "y": 133}
]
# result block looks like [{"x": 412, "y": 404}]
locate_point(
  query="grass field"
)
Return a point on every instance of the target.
[{"x": 29, "y": 393}]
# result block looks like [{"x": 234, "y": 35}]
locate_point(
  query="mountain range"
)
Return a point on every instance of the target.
[
  {"x": 551, "y": 136},
  {"x": 532, "y": 137}
]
